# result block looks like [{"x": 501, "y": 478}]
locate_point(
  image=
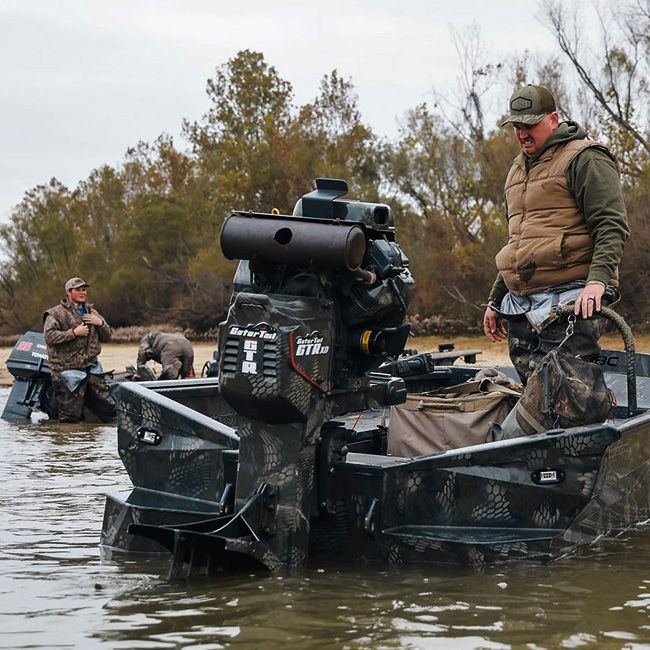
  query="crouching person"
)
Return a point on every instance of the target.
[
  {"x": 172, "y": 350},
  {"x": 74, "y": 332}
]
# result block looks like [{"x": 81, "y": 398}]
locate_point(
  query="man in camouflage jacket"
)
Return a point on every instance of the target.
[{"x": 73, "y": 332}]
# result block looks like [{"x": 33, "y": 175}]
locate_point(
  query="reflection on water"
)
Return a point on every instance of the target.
[{"x": 56, "y": 591}]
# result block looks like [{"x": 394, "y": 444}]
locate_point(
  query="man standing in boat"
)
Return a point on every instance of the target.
[
  {"x": 74, "y": 332},
  {"x": 567, "y": 229}
]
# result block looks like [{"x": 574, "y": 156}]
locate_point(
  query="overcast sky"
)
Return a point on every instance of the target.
[{"x": 83, "y": 80}]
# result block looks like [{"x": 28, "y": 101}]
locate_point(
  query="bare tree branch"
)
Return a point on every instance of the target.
[
  {"x": 618, "y": 108},
  {"x": 455, "y": 293}
]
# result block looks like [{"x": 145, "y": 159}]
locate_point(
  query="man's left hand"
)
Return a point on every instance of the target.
[
  {"x": 92, "y": 319},
  {"x": 589, "y": 301}
]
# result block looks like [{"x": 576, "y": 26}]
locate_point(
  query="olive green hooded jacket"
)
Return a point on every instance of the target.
[{"x": 593, "y": 180}]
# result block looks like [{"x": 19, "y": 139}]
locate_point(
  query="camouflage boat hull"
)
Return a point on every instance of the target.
[{"x": 527, "y": 497}]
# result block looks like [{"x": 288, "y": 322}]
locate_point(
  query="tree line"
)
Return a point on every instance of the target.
[{"x": 145, "y": 233}]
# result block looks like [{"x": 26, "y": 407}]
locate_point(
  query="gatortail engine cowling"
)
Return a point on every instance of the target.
[{"x": 319, "y": 300}]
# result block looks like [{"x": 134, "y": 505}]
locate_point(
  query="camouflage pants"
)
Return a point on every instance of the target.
[
  {"x": 171, "y": 368},
  {"x": 92, "y": 393},
  {"x": 528, "y": 347}
]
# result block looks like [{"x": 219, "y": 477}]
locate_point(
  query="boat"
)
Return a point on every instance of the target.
[
  {"x": 281, "y": 459},
  {"x": 31, "y": 389}
]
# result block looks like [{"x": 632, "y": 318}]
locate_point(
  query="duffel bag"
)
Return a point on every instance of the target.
[{"x": 448, "y": 418}]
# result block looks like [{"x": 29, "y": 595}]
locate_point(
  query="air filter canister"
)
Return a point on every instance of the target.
[{"x": 293, "y": 242}]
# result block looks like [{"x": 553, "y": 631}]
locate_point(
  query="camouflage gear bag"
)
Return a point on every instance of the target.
[{"x": 564, "y": 391}]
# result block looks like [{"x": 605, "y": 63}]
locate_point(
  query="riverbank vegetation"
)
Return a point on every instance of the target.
[{"x": 145, "y": 233}]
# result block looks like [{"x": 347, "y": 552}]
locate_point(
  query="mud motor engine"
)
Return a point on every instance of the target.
[{"x": 319, "y": 301}]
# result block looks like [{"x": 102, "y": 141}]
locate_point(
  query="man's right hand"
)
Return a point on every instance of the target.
[
  {"x": 493, "y": 326},
  {"x": 80, "y": 330}
]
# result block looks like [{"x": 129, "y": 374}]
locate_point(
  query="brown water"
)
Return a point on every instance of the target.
[{"x": 57, "y": 592}]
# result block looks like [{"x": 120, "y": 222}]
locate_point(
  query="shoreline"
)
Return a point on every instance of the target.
[{"x": 116, "y": 356}]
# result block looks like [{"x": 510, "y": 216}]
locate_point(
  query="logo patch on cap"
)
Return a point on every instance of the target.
[{"x": 520, "y": 104}]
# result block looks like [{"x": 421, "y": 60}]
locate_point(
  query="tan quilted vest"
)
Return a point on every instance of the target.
[{"x": 549, "y": 242}]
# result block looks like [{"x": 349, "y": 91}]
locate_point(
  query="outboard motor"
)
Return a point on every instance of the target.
[
  {"x": 31, "y": 388},
  {"x": 319, "y": 303}
]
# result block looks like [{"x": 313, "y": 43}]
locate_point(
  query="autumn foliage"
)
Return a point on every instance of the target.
[{"x": 145, "y": 234}]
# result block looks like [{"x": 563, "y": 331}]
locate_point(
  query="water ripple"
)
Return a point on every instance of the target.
[{"x": 57, "y": 592}]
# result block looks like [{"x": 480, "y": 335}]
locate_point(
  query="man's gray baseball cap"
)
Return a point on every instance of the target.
[
  {"x": 75, "y": 283},
  {"x": 529, "y": 105}
]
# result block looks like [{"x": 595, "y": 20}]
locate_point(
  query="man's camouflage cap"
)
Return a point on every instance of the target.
[
  {"x": 75, "y": 283},
  {"x": 529, "y": 105}
]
